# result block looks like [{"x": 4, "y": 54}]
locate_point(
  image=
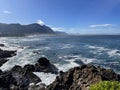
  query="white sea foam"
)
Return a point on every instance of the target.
[
  {"x": 71, "y": 61},
  {"x": 96, "y": 47},
  {"x": 22, "y": 58},
  {"x": 66, "y": 67},
  {"x": 87, "y": 60},
  {"x": 45, "y": 48},
  {"x": 46, "y": 78},
  {"x": 113, "y": 53},
  {"x": 67, "y": 46},
  {"x": 11, "y": 46},
  {"x": 110, "y": 52},
  {"x": 32, "y": 39}
]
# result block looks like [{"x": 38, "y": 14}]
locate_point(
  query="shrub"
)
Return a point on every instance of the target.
[{"x": 106, "y": 85}]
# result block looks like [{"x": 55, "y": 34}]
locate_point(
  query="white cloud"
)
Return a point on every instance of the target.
[
  {"x": 7, "y": 12},
  {"x": 100, "y": 25},
  {"x": 58, "y": 29},
  {"x": 40, "y": 22}
]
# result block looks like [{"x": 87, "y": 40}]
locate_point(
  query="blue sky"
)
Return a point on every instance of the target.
[{"x": 73, "y": 16}]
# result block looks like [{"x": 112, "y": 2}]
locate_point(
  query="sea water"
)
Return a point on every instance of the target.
[{"x": 64, "y": 52}]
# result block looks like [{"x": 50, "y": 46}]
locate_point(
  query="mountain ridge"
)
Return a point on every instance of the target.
[{"x": 16, "y": 29}]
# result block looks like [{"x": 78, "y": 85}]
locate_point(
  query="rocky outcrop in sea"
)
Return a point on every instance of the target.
[{"x": 5, "y": 54}]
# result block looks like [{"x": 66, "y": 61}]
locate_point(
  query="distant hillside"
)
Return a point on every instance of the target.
[
  {"x": 60, "y": 33},
  {"x": 20, "y": 30}
]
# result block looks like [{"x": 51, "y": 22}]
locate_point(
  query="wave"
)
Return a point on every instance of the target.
[
  {"x": 71, "y": 61},
  {"x": 22, "y": 58},
  {"x": 32, "y": 39},
  {"x": 46, "y": 78},
  {"x": 65, "y": 46},
  {"x": 64, "y": 67},
  {"x": 100, "y": 50}
]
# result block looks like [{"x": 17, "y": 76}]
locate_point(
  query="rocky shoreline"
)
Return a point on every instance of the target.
[
  {"x": 78, "y": 78},
  {"x": 4, "y": 55}
]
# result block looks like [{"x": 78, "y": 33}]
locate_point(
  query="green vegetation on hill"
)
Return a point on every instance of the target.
[{"x": 106, "y": 85}]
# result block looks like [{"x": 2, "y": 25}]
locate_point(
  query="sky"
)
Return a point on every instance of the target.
[{"x": 72, "y": 16}]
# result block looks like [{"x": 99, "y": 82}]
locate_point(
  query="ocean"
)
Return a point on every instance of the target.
[{"x": 64, "y": 52}]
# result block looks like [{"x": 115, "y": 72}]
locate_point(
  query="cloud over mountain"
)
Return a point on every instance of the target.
[{"x": 40, "y": 22}]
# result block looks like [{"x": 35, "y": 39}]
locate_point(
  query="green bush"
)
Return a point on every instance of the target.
[{"x": 106, "y": 85}]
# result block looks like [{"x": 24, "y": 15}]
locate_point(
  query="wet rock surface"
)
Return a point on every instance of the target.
[
  {"x": 2, "y": 61},
  {"x": 20, "y": 78},
  {"x": 43, "y": 65},
  {"x": 4, "y": 54},
  {"x": 80, "y": 78},
  {"x": 6, "y": 80}
]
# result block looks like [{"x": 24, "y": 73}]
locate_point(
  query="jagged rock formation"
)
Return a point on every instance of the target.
[
  {"x": 4, "y": 54},
  {"x": 19, "y": 78},
  {"x": 43, "y": 65},
  {"x": 80, "y": 78}
]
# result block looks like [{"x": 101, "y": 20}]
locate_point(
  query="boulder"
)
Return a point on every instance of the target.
[
  {"x": 43, "y": 65},
  {"x": 6, "y": 54},
  {"x": 80, "y": 78},
  {"x": 43, "y": 61},
  {"x": 2, "y": 45}
]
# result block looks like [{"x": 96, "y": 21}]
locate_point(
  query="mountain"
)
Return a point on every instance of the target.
[{"x": 21, "y": 30}]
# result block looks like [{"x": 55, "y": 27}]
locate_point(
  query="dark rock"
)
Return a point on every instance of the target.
[
  {"x": 18, "y": 71},
  {"x": 23, "y": 76},
  {"x": 41, "y": 86},
  {"x": 6, "y": 80},
  {"x": 2, "y": 61},
  {"x": 20, "y": 78},
  {"x": 118, "y": 52},
  {"x": 29, "y": 68},
  {"x": 43, "y": 61},
  {"x": 44, "y": 65},
  {"x": 6, "y": 54},
  {"x": 79, "y": 62},
  {"x": 1, "y": 72},
  {"x": 2, "y": 45},
  {"x": 80, "y": 78}
]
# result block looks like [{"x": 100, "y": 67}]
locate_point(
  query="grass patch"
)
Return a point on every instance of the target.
[{"x": 106, "y": 85}]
